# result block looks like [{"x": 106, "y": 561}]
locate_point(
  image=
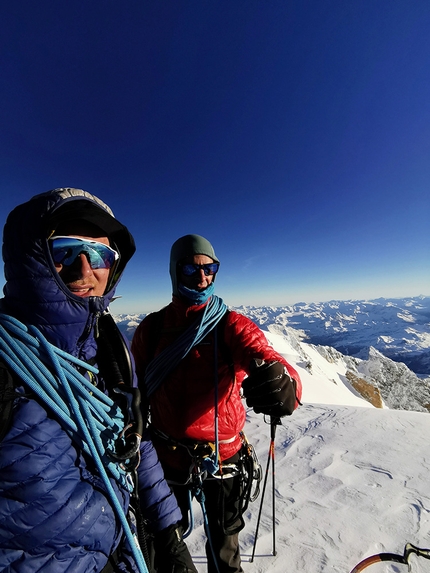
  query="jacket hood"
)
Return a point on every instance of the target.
[
  {"x": 34, "y": 292},
  {"x": 188, "y": 246}
]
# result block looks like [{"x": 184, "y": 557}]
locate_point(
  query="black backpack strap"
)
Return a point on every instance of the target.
[
  {"x": 157, "y": 319},
  {"x": 113, "y": 354},
  {"x": 7, "y": 396},
  {"x": 222, "y": 345}
]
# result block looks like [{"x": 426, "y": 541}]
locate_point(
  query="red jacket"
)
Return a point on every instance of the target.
[{"x": 183, "y": 404}]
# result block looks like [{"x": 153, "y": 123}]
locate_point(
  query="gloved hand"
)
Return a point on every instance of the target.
[
  {"x": 269, "y": 389},
  {"x": 171, "y": 552}
]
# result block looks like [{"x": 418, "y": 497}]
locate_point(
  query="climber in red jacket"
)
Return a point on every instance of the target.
[{"x": 194, "y": 359}]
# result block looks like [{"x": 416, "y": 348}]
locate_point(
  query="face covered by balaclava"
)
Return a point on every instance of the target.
[{"x": 184, "y": 248}]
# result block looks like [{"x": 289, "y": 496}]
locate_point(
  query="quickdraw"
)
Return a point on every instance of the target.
[{"x": 396, "y": 558}]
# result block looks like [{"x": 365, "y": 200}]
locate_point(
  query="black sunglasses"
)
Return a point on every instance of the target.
[{"x": 190, "y": 269}]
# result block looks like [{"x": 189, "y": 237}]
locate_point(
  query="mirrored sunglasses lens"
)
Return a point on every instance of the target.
[
  {"x": 65, "y": 251},
  {"x": 97, "y": 261},
  {"x": 189, "y": 270},
  {"x": 101, "y": 255},
  {"x": 192, "y": 269},
  {"x": 211, "y": 269}
]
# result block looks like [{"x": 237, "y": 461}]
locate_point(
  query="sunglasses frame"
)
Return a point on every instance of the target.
[
  {"x": 198, "y": 267},
  {"x": 90, "y": 245}
]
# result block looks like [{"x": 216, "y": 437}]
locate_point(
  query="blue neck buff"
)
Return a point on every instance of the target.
[{"x": 195, "y": 296}]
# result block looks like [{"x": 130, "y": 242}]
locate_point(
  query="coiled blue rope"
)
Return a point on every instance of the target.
[
  {"x": 170, "y": 357},
  {"x": 84, "y": 411},
  {"x": 164, "y": 363}
]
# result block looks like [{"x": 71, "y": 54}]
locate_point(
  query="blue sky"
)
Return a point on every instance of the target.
[{"x": 295, "y": 136}]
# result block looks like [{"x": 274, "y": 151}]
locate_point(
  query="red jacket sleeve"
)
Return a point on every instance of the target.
[{"x": 246, "y": 341}]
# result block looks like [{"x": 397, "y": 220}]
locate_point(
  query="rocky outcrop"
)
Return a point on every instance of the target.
[
  {"x": 369, "y": 392},
  {"x": 400, "y": 388}
]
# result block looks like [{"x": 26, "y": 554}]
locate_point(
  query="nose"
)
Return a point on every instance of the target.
[
  {"x": 81, "y": 267},
  {"x": 201, "y": 279},
  {"x": 84, "y": 264}
]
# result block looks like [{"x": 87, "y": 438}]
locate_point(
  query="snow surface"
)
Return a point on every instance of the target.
[{"x": 351, "y": 480}]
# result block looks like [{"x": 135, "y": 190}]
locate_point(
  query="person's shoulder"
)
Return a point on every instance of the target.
[
  {"x": 33, "y": 427},
  {"x": 150, "y": 324},
  {"x": 238, "y": 320}
]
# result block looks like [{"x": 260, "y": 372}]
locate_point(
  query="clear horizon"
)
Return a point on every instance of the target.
[
  {"x": 293, "y": 136},
  {"x": 115, "y": 311}
]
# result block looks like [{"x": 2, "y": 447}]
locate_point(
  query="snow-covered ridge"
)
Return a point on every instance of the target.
[
  {"x": 328, "y": 375},
  {"x": 398, "y": 328}
]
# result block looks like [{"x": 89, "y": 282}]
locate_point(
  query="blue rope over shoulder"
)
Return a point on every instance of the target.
[
  {"x": 89, "y": 416},
  {"x": 170, "y": 357}
]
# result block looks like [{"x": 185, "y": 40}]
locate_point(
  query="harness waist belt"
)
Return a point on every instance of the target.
[{"x": 189, "y": 443}]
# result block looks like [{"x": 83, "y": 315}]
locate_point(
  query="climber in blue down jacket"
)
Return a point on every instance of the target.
[{"x": 81, "y": 487}]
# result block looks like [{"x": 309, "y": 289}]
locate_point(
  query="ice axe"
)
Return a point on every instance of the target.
[{"x": 397, "y": 558}]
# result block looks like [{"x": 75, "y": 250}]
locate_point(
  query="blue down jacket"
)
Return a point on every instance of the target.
[{"x": 55, "y": 515}]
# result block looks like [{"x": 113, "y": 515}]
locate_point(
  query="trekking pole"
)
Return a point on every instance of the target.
[
  {"x": 271, "y": 456},
  {"x": 274, "y": 422}
]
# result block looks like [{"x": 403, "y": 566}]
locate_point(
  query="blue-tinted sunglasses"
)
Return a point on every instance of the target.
[
  {"x": 64, "y": 251},
  {"x": 191, "y": 269}
]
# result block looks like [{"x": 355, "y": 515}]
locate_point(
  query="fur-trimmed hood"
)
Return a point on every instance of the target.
[{"x": 34, "y": 293}]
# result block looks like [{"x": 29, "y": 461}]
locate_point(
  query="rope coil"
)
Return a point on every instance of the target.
[
  {"x": 85, "y": 412},
  {"x": 170, "y": 357}
]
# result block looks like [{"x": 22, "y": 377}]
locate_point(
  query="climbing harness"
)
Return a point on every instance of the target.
[
  {"x": 90, "y": 417},
  {"x": 396, "y": 558},
  {"x": 244, "y": 466}
]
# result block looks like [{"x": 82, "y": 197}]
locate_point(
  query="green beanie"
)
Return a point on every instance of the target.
[{"x": 188, "y": 246}]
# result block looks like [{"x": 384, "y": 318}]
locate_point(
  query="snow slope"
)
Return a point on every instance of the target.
[{"x": 351, "y": 480}]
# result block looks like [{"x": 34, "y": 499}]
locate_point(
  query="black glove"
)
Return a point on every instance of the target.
[
  {"x": 269, "y": 389},
  {"x": 171, "y": 552}
]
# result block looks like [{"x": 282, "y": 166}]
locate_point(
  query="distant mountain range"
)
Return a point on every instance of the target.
[
  {"x": 378, "y": 350},
  {"x": 398, "y": 328}
]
